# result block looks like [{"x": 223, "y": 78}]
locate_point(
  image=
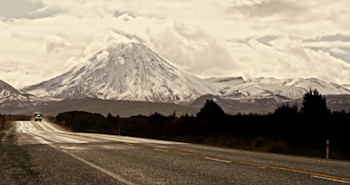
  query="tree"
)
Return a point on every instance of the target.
[
  {"x": 314, "y": 105},
  {"x": 2, "y": 121},
  {"x": 211, "y": 110},
  {"x": 110, "y": 117},
  {"x": 285, "y": 110}
]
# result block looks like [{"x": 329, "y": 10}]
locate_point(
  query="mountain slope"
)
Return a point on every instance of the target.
[
  {"x": 8, "y": 88},
  {"x": 306, "y": 84},
  {"x": 127, "y": 71},
  {"x": 9, "y": 93},
  {"x": 278, "y": 89}
]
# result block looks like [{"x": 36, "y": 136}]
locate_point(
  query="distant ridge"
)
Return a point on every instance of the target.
[{"x": 27, "y": 104}]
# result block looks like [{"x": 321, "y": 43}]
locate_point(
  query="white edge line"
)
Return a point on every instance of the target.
[
  {"x": 159, "y": 149},
  {"x": 336, "y": 180},
  {"x": 220, "y": 160},
  {"x": 337, "y": 162},
  {"x": 115, "y": 176}
]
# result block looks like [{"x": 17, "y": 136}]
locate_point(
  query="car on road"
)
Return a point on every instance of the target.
[{"x": 38, "y": 116}]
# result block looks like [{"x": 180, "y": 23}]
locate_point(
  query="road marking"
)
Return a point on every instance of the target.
[
  {"x": 86, "y": 139},
  {"x": 322, "y": 176},
  {"x": 37, "y": 126},
  {"x": 41, "y": 140},
  {"x": 336, "y": 162},
  {"x": 53, "y": 128},
  {"x": 115, "y": 176},
  {"x": 347, "y": 182},
  {"x": 261, "y": 165},
  {"x": 220, "y": 160},
  {"x": 157, "y": 149}
]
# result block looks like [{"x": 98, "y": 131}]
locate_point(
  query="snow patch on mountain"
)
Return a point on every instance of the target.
[
  {"x": 279, "y": 89},
  {"x": 126, "y": 71},
  {"x": 132, "y": 71},
  {"x": 7, "y": 93}
]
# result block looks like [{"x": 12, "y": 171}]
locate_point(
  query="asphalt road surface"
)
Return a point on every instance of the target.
[{"x": 42, "y": 153}]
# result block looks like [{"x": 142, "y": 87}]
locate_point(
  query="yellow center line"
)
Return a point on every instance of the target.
[{"x": 256, "y": 164}]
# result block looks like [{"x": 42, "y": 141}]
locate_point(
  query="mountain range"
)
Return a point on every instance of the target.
[
  {"x": 128, "y": 71},
  {"x": 133, "y": 72}
]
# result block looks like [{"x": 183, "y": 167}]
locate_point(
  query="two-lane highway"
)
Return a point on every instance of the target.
[{"x": 44, "y": 153}]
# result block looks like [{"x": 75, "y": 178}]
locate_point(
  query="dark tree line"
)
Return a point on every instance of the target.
[
  {"x": 302, "y": 131},
  {"x": 2, "y": 122}
]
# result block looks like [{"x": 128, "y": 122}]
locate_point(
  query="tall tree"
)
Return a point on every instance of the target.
[
  {"x": 314, "y": 104},
  {"x": 211, "y": 110}
]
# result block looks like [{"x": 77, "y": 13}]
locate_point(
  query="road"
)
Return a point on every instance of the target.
[{"x": 43, "y": 153}]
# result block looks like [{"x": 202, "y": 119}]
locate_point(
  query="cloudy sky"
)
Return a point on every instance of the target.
[{"x": 41, "y": 39}]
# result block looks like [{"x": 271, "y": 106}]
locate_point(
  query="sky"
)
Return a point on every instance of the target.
[{"x": 41, "y": 39}]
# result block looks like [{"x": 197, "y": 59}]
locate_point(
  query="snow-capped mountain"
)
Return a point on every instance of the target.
[
  {"x": 307, "y": 84},
  {"x": 126, "y": 71},
  {"x": 9, "y": 93},
  {"x": 279, "y": 89},
  {"x": 132, "y": 71}
]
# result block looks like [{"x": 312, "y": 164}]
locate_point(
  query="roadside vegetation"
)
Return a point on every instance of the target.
[
  {"x": 288, "y": 130},
  {"x": 4, "y": 125},
  {"x": 2, "y": 122}
]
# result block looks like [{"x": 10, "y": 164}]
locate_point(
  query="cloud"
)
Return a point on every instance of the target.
[
  {"x": 328, "y": 44},
  {"x": 18, "y": 8},
  {"x": 247, "y": 3},
  {"x": 335, "y": 37},
  {"x": 250, "y": 38},
  {"x": 194, "y": 50},
  {"x": 54, "y": 43},
  {"x": 105, "y": 41},
  {"x": 264, "y": 8},
  {"x": 126, "y": 16},
  {"x": 341, "y": 53},
  {"x": 26, "y": 9},
  {"x": 287, "y": 57},
  {"x": 338, "y": 51},
  {"x": 21, "y": 73}
]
